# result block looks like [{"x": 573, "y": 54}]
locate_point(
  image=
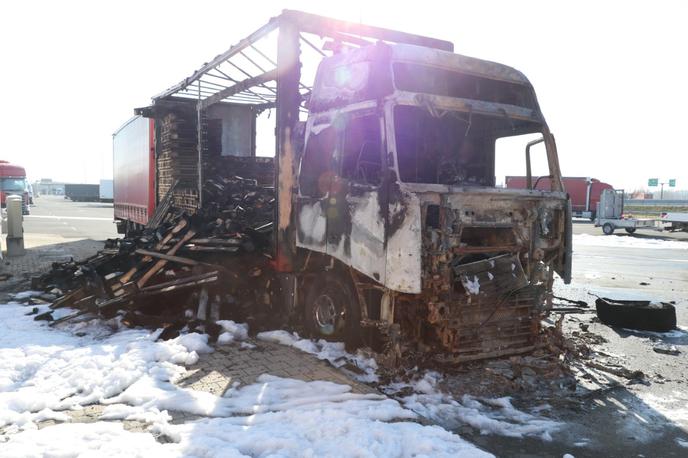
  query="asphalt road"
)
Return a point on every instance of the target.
[{"x": 59, "y": 218}]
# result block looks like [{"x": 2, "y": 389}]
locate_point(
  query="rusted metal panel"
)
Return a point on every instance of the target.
[
  {"x": 356, "y": 233},
  {"x": 404, "y": 245}
]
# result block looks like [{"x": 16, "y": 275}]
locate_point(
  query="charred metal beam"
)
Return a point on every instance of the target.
[
  {"x": 241, "y": 86},
  {"x": 344, "y": 38},
  {"x": 261, "y": 32},
  {"x": 324, "y": 27},
  {"x": 288, "y": 102}
]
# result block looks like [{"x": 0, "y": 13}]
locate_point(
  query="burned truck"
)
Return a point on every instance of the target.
[{"x": 389, "y": 228}]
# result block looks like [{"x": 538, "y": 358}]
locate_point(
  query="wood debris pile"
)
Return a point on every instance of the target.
[{"x": 182, "y": 270}]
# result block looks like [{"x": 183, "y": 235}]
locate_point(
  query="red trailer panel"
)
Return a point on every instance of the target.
[
  {"x": 576, "y": 187},
  {"x": 133, "y": 147}
]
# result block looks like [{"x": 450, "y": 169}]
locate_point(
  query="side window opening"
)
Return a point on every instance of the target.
[
  {"x": 316, "y": 165},
  {"x": 510, "y": 162},
  {"x": 362, "y": 151}
]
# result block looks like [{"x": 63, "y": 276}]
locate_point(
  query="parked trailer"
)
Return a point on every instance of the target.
[
  {"x": 584, "y": 192},
  {"x": 82, "y": 192},
  {"x": 133, "y": 159},
  {"x": 387, "y": 219},
  {"x": 610, "y": 214}
]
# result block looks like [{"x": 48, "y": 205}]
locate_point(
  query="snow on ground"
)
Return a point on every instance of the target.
[
  {"x": 45, "y": 371},
  {"x": 626, "y": 242},
  {"x": 333, "y": 352},
  {"x": 232, "y": 332},
  {"x": 489, "y": 416},
  {"x": 294, "y": 418}
]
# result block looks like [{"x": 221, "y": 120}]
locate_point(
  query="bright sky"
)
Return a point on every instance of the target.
[{"x": 610, "y": 76}]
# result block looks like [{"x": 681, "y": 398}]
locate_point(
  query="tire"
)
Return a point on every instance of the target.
[
  {"x": 608, "y": 229},
  {"x": 630, "y": 230},
  {"x": 331, "y": 311},
  {"x": 640, "y": 315}
]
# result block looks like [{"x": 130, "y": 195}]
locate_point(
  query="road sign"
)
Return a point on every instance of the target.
[
  {"x": 653, "y": 182},
  {"x": 672, "y": 183}
]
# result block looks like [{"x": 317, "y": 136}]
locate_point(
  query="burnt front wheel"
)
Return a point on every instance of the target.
[{"x": 331, "y": 310}]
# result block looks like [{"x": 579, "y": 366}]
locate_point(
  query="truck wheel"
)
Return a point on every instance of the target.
[
  {"x": 608, "y": 229},
  {"x": 630, "y": 230},
  {"x": 331, "y": 310}
]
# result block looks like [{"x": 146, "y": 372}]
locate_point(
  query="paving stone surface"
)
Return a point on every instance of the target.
[
  {"x": 39, "y": 259},
  {"x": 216, "y": 373}
]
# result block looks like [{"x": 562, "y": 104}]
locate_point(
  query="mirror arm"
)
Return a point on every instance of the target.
[{"x": 529, "y": 174}]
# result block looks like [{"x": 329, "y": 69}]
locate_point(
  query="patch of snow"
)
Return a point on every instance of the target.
[
  {"x": 682, "y": 442},
  {"x": 333, "y": 352},
  {"x": 44, "y": 369},
  {"x": 247, "y": 346},
  {"x": 278, "y": 417},
  {"x": 195, "y": 342},
  {"x": 25, "y": 295},
  {"x": 125, "y": 412},
  {"x": 673, "y": 407},
  {"x": 490, "y": 276},
  {"x": 233, "y": 332},
  {"x": 626, "y": 242},
  {"x": 489, "y": 416}
]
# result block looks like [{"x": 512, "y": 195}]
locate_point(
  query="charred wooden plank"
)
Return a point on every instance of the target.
[
  {"x": 211, "y": 249},
  {"x": 68, "y": 299},
  {"x": 162, "y": 262},
  {"x": 167, "y": 257},
  {"x": 175, "y": 230},
  {"x": 182, "y": 283}
]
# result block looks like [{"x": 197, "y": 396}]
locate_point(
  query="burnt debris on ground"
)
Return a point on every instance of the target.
[{"x": 182, "y": 270}]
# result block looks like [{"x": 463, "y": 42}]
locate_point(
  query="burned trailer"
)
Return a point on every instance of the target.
[{"x": 388, "y": 226}]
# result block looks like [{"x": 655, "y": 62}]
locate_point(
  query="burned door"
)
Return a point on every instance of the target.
[
  {"x": 355, "y": 215},
  {"x": 315, "y": 181}
]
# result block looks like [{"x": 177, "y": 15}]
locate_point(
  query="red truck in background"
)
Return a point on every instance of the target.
[
  {"x": 584, "y": 192},
  {"x": 13, "y": 181},
  {"x": 133, "y": 151}
]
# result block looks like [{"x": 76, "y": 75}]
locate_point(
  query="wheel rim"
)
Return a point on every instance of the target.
[{"x": 326, "y": 314}]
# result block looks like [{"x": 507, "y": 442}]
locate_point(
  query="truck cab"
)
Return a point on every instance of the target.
[
  {"x": 13, "y": 181},
  {"x": 397, "y": 181}
]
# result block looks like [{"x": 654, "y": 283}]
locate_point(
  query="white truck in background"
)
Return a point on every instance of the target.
[
  {"x": 677, "y": 221},
  {"x": 106, "y": 191}
]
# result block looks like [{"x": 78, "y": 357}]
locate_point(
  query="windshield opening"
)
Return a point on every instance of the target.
[
  {"x": 12, "y": 184},
  {"x": 450, "y": 147}
]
